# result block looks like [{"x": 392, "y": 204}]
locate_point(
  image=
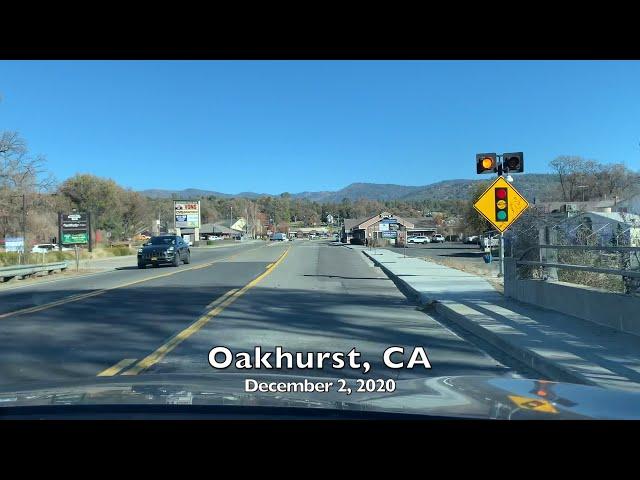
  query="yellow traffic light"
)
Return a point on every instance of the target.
[{"x": 486, "y": 163}]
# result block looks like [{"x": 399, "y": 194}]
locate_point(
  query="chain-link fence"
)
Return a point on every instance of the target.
[{"x": 591, "y": 250}]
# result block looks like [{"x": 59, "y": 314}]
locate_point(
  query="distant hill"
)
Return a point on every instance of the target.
[
  {"x": 538, "y": 185},
  {"x": 195, "y": 193}
]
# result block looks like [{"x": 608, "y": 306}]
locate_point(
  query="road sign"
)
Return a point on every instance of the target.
[
  {"x": 536, "y": 404},
  {"x": 501, "y": 204}
]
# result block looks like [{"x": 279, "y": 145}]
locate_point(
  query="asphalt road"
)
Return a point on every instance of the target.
[{"x": 301, "y": 295}]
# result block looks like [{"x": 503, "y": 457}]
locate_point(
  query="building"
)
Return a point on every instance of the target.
[
  {"x": 223, "y": 228},
  {"x": 382, "y": 226},
  {"x": 425, "y": 226},
  {"x": 604, "y": 228}
]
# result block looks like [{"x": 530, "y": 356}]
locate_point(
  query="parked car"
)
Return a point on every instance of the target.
[
  {"x": 48, "y": 247},
  {"x": 437, "y": 238},
  {"x": 418, "y": 239},
  {"x": 471, "y": 239},
  {"x": 171, "y": 249}
]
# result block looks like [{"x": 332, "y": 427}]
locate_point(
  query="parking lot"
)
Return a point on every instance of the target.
[{"x": 454, "y": 250}]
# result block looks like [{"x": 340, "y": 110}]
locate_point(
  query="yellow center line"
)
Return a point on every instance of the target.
[
  {"x": 111, "y": 371},
  {"x": 82, "y": 296},
  {"x": 222, "y": 303}
]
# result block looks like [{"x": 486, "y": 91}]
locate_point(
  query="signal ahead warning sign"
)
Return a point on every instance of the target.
[{"x": 501, "y": 204}]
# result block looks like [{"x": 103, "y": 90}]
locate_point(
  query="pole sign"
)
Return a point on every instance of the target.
[
  {"x": 186, "y": 214},
  {"x": 14, "y": 244},
  {"x": 74, "y": 228},
  {"x": 501, "y": 204},
  {"x": 389, "y": 234}
]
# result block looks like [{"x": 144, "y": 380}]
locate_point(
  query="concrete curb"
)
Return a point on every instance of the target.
[{"x": 537, "y": 362}]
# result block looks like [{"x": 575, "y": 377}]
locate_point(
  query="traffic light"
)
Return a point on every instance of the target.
[
  {"x": 486, "y": 163},
  {"x": 502, "y": 204},
  {"x": 513, "y": 162}
]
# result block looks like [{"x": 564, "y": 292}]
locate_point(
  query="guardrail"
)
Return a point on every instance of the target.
[
  {"x": 585, "y": 268},
  {"x": 7, "y": 273}
]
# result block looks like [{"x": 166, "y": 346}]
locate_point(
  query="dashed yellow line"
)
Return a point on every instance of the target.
[
  {"x": 82, "y": 296},
  {"x": 221, "y": 303},
  {"x": 111, "y": 371}
]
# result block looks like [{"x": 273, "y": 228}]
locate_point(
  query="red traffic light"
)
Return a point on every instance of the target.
[{"x": 502, "y": 204}]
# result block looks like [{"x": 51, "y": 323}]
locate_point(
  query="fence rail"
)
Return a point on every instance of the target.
[
  {"x": 7, "y": 273},
  {"x": 626, "y": 273}
]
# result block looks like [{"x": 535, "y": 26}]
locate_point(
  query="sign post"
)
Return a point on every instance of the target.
[
  {"x": 74, "y": 229},
  {"x": 501, "y": 204},
  {"x": 186, "y": 214}
]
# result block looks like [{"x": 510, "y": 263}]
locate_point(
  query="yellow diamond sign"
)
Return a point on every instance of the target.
[
  {"x": 501, "y": 204},
  {"x": 533, "y": 404}
]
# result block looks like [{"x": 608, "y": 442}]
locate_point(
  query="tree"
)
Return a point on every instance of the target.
[
  {"x": 98, "y": 196},
  {"x": 20, "y": 174},
  {"x": 476, "y": 223}
]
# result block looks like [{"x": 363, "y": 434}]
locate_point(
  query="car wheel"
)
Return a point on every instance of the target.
[
  {"x": 187, "y": 260},
  {"x": 142, "y": 265},
  {"x": 176, "y": 260}
]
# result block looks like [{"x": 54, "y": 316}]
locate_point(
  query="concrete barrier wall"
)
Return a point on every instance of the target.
[{"x": 618, "y": 311}]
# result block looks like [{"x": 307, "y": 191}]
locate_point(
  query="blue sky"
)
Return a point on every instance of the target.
[{"x": 274, "y": 126}]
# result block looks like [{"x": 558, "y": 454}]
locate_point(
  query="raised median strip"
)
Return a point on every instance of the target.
[
  {"x": 13, "y": 271},
  {"x": 558, "y": 346}
]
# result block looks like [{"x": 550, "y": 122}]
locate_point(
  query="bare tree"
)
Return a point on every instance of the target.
[{"x": 21, "y": 176}]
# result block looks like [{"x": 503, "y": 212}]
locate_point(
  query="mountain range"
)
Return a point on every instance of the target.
[{"x": 542, "y": 186}]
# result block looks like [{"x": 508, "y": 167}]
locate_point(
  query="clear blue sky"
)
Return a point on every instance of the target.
[{"x": 274, "y": 126}]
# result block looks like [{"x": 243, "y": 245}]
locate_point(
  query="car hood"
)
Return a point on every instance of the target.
[{"x": 459, "y": 396}]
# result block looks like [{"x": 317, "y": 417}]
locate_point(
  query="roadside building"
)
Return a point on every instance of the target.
[
  {"x": 423, "y": 226},
  {"x": 382, "y": 226},
  {"x": 602, "y": 228}
]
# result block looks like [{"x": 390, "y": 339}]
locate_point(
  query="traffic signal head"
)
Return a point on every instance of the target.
[
  {"x": 502, "y": 204},
  {"x": 513, "y": 162},
  {"x": 486, "y": 163}
]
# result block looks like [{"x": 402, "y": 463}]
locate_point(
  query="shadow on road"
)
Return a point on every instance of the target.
[{"x": 348, "y": 278}]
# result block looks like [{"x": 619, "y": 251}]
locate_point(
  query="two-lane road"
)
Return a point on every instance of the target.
[{"x": 305, "y": 296}]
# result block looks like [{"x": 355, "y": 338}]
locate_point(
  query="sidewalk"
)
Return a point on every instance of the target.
[{"x": 561, "y": 347}]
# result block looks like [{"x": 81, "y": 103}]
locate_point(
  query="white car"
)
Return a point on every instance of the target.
[
  {"x": 437, "y": 238},
  {"x": 418, "y": 239},
  {"x": 47, "y": 247}
]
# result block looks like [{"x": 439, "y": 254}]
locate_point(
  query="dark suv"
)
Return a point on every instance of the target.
[{"x": 164, "y": 249}]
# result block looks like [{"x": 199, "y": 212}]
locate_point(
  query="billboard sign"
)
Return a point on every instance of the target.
[
  {"x": 186, "y": 214},
  {"x": 74, "y": 228},
  {"x": 14, "y": 244},
  {"x": 389, "y": 234}
]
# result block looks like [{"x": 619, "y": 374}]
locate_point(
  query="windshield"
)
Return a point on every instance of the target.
[
  {"x": 447, "y": 238},
  {"x": 162, "y": 241}
]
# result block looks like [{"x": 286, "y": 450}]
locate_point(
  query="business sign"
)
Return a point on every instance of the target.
[
  {"x": 74, "y": 228},
  {"x": 80, "y": 238},
  {"x": 389, "y": 234},
  {"x": 14, "y": 244},
  {"x": 186, "y": 214},
  {"x": 384, "y": 227},
  {"x": 389, "y": 220}
]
